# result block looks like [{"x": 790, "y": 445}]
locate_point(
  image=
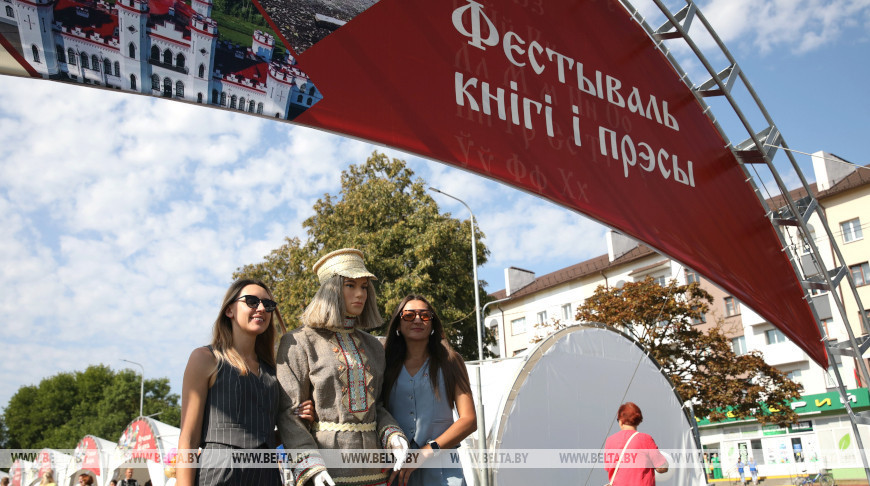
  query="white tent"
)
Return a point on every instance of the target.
[
  {"x": 20, "y": 472},
  {"x": 92, "y": 456},
  {"x": 564, "y": 394},
  {"x": 51, "y": 459},
  {"x": 145, "y": 446}
]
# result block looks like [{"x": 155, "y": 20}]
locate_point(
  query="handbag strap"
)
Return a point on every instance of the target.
[{"x": 619, "y": 461}]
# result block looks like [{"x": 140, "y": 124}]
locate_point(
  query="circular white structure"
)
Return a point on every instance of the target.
[{"x": 566, "y": 394}]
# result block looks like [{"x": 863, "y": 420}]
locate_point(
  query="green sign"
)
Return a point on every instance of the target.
[{"x": 821, "y": 402}]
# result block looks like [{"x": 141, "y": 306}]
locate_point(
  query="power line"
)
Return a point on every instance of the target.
[{"x": 838, "y": 159}]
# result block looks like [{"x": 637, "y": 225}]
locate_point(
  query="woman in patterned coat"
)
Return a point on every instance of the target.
[{"x": 334, "y": 362}]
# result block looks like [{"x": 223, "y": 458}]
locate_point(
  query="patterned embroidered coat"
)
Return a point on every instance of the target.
[{"x": 342, "y": 371}]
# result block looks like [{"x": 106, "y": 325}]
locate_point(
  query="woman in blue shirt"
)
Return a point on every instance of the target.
[{"x": 424, "y": 381}]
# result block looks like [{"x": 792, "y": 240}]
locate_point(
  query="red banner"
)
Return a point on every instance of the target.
[
  {"x": 139, "y": 442},
  {"x": 87, "y": 455},
  {"x": 567, "y": 99}
]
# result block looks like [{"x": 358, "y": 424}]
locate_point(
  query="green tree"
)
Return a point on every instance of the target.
[
  {"x": 702, "y": 365},
  {"x": 384, "y": 211},
  {"x": 98, "y": 401}
]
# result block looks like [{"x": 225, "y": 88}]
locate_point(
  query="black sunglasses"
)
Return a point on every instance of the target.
[
  {"x": 253, "y": 302},
  {"x": 411, "y": 314}
]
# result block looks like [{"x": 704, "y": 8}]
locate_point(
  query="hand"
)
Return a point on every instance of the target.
[
  {"x": 323, "y": 478},
  {"x": 399, "y": 445},
  {"x": 306, "y": 412}
]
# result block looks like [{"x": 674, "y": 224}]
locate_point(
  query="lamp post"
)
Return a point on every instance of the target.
[
  {"x": 141, "y": 384},
  {"x": 481, "y": 423}
]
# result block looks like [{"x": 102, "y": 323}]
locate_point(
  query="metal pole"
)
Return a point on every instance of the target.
[
  {"x": 481, "y": 423},
  {"x": 141, "y": 384}
]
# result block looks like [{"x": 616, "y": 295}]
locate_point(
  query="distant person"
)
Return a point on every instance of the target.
[
  {"x": 113, "y": 483},
  {"x": 740, "y": 467},
  {"x": 128, "y": 478},
  {"x": 717, "y": 468},
  {"x": 424, "y": 382},
  {"x": 639, "y": 467},
  {"x": 753, "y": 469},
  {"x": 48, "y": 479},
  {"x": 85, "y": 480},
  {"x": 229, "y": 394},
  {"x": 4, "y": 481}
]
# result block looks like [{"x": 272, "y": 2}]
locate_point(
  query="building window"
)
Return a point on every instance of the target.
[
  {"x": 132, "y": 52},
  {"x": 167, "y": 57},
  {"x": 251, "y": 106},
  {"x": 517, "y": 352},
  {"x": 132, "y": 81},
  {"x": 95, "y": 62},
  {"x": 85, "y": 61},
  {"x": 9, "y": 12},
  {"x": 223, "y": 99},
  {"x": 199, "y": 97},
  {"x": 518, "y": 326},
  {"x": 179, "y": 60},
  {"x": 242, "y": 103},
  {"x": 692, "y": 276},
  {"x": 311, "y": 91},
  {"x": 214, "y": 97},
  {"x": 701, "y": 319},
  {"x": 155, "y": 54},
  {"x": 35, "y": 54},
  {"x": 732, "y": 308},
  {"x": 107, "y": 67},
  {"x": 860, "y": 273},
  {"x": 259, "y": 108},
  {"x": 201, "y": 70},
  {"x": 61, "y": 56},
  {"x": 660, "y": 280},
  {"x": 542, "y": 317},
  {"x": 309, "y": 101},
  {"x": 851, "y": 230},
  {"x": 179, "y": 89},
  {"x": 167, "y": 87},
  {"x": 117, "y": 69},
  {"x": 71, "y": 56},
  {"x": 774, "y": 336},
  {"x": 566, "y": 313},
  {"x": 299, "y": 99},
  {"x": 155, "y": 82},
  {"x": 233, "y": 101},
  {"x": 794, "y": 375},
  {"x": 738, "y": 344}
]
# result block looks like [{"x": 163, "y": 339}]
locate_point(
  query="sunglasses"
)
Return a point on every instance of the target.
[
  {"x": 425, "y": 315},
  {"x": 253, "y": 302}
]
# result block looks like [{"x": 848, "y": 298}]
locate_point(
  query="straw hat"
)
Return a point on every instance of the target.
[{"x": 347, "y": 262}]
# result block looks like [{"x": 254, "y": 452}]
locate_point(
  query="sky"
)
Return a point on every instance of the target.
[{"x": 124, "y": 217}]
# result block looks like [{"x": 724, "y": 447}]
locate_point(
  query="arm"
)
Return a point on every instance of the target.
[
  {"x": 294, "y": 376},
  {"x": 467, "y": 422},
  {"x": 198, "y": 377}
]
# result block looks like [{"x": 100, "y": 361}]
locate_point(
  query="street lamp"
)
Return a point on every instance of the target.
[
  {"x": 141, "y": 384},
  {"x": 481, "y": 423}
]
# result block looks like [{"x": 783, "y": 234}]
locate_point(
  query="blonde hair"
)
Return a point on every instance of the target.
[
  {"x": 48, "y": 477},
  {"x": 327, "y": 308},
  {"x": 222, "y": 333}
]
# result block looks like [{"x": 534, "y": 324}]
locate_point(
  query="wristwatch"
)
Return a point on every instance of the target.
[{"x": 434, "y": 445}]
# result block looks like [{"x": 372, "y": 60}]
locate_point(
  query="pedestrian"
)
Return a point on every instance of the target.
[
  {"x": 753, "y": 470},
  {"x": 85, "y": 480},
  {"x": 740, "y": 466},
  {"x": 4, "y": 481},
  {"x": 48, "y": 479},
  {"x": 417, "y": 347},
  {"x": 639, "y": 467},
  {"x": 229, "y": 395},
  {"x": 717, "y": 467},
  {"x": 128, "y": 478},
  {"x": 331, "y": 359}
]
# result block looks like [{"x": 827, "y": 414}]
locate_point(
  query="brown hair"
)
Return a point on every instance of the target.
[
  {"x": 222, "y": 333},
  {"x": 629, "y": 414},
  {"x": 88, "y": 479},
  {"x": 442, "y": 357}
]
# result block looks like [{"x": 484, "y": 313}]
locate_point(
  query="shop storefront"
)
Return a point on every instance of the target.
[{"x": 822, "y": 439}]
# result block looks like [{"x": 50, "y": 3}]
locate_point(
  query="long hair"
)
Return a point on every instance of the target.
[
  {"x": 442, "y": 357},
  {"x": 327, "y": 308},
  {"x": 48, "y": 477},
  {"x": 222, "y": 334}
]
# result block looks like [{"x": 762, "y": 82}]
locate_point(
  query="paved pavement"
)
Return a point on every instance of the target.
[{"x": 781, "y": 481}]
